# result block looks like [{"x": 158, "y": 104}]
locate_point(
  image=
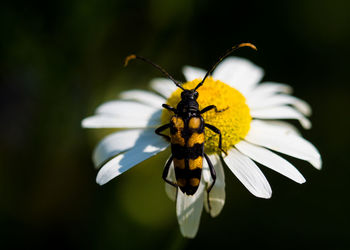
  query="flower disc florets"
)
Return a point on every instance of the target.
[{"x": 233, "y": 121}]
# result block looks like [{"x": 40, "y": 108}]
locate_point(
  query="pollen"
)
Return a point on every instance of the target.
[{"x": 233, "y": 118}]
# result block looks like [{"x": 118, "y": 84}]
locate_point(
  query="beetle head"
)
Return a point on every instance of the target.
[{"x": 189, "y": 94}]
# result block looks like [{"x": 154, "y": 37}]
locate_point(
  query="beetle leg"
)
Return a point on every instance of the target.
[
  {"x": 212, "y": 171},
  {"x": 166, "y": 171},
  {"x": 210, "y": 107},
  {"x": 166, "y": 106},
  {"x": 162, "y": 128},
  {"x": 213, "y": 176},
  {"x": 216, "y": 130},
  {"x": 206, "y": 109}
]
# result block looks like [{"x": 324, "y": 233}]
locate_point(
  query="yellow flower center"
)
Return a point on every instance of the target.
[{"x": 233, "y": 121}]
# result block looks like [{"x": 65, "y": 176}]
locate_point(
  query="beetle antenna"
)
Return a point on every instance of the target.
[
  {"x": 228, "y": 52},
  {"x": 133, "y": 56}
]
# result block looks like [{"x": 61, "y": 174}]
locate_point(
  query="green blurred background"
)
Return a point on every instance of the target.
[{"x": 60, "y": 59}]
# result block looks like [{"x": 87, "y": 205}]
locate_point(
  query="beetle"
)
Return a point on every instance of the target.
[{"x": 187, "y": 132}]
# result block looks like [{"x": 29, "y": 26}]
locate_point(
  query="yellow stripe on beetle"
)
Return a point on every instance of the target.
[
  {"x": 179, "y": 163},
  {"x": 194, "y": 182},
  {"x": 178, "y": 122},
  {"x": 177, "y": 139},
  {"x": 194, "y": 123},
  {"x": 196, "y": 163},
  {"x": 181, "y": 182},
  {"x": 195, "y": 138}
]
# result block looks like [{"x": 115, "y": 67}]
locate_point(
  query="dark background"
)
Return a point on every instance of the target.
[{"x": 60, "y": 59}]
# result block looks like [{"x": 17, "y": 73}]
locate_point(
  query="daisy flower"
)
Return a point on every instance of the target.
[{"x": 251, "y": 127}]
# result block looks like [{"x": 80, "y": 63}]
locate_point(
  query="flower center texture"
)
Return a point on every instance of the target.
[{"x": 233, "y": 121}]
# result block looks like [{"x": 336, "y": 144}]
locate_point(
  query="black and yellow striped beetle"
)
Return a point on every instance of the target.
[{"x": 187, "y": 132}]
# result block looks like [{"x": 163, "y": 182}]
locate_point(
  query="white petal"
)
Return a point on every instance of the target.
[
  {"x": 126, "y": 109},
  {"x": 118, "y": 142},
  {"x": 267, "y": 89},
  {"x": 278, "y": 140},
  {"x": 163, "y": 86},
  {"x": 279, "y": 100},
  {"x": 205, "y": 171},
  {"x": 285, "y": 126},
  {"x": 169, "y": 189},
  {"x": 270, "y": 160},
  {"x": 144, "y": 149},
  {"x": 248, "y": 173},
  {"x": 145, "y": 97},
  {"x": 192, "y": 73},
  {"x": 123, "y": 114},
  {"x": 108, "y": 121},
  {"x": 281, "y": 112},
  {"x": 217, "y": 194},
  {"x": 189, "y": 210},
  {"x": 238, "y": 73}
]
